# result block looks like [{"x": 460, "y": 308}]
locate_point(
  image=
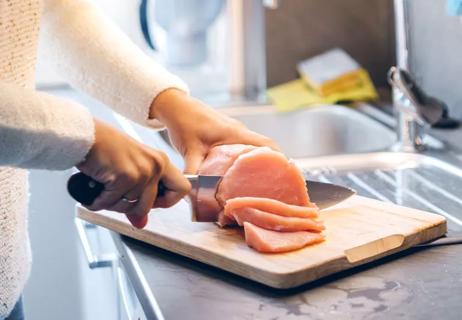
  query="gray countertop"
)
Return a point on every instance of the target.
[{"x": 416, "y": 284}]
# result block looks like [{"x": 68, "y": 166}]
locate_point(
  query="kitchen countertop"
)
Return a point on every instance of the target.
[
  {"x": 391, "y": 288},
  {"x": 409, "y": 288}
]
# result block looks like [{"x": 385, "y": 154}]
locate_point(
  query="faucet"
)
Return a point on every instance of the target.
[{"x": 414, "y": 108}]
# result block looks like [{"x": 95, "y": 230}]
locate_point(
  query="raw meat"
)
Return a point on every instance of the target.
[
  {"x": 274, "y": 222},
  {"x": 262, "y": 191},
  {"x": 270, "y": 206},
  {"x": 220, "y": 158},
  {"x": 264, "y": 173},
  {"x": 217, "y": 162},
  {"x": 273, "y": 242}
]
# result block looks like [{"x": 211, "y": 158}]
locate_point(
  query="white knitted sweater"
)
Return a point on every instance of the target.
[{"x": 41, "y": 131}]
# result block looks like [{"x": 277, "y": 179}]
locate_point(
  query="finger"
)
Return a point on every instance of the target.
[
  {"x": 121, "y": 206},
  {"x": 256, "y": 139},
  {"x": 107, "y": 198},
  {"x": 177, "y": 186},
  {"x": 169, "y": 199},
  {"x": 174, "y": 180},
  {"x": 193, "y": 160},
  {"x": 137, "y": 221},
  {"x": 144, "y": 204},
  {"x": 124, "y": 204},
  {"x": 125, "y": 185}
]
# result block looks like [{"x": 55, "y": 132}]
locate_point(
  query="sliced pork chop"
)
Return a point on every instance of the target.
[
  {"x": 269, "y": 241},
  {"x": 271, "y": 206},
  {"x": 264, "y": 173},
  {"x": 274, "y": 222},
  {"x": 217, "y": 162},
  {"x": 260, "y": 189}
]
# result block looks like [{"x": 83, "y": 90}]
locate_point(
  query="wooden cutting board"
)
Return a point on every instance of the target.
[{"x": 358, "y": 230}]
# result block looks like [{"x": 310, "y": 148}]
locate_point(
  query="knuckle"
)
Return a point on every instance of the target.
[
  {"x": 144, "y": 172},
  {"x": 128, "y": 177},
  {"x": 160, "y": 161},
  {"x": 186, "y": 188}
]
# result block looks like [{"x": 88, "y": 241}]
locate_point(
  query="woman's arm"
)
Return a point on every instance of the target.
[
  {"x": 95, "y": 56},
  {"x": 45, "y": 132},
  {"x": 41, "y": 131}
]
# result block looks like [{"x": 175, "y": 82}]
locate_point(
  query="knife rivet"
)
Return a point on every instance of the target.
[{"x": 91, "y": 184}]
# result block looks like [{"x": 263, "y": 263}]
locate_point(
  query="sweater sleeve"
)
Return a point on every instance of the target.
[
  {"x": 95, "y": 56},
  {"x": 40, "y": 131}
]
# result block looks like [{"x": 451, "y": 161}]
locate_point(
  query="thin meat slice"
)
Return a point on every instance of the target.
[
  {"x": 264, "y": 173},
  {"x": 274, "y": 222},
  {"x": 271, "y": 206},
  {"x": 217, "y": 162},
  {"x": 268, "y": 241}
]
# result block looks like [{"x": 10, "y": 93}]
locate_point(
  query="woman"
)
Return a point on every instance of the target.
[{"x": 41, "y": 131}]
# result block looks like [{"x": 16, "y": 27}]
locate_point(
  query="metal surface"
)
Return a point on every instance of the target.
[
  {"x": 94, "y": 261},
  {"x": 142, "y": 288},
  {"x": 423, "y": 108},
  {"x": 206, "y": 182},
  {"x": 415, "y": 109},
  {"x": 326, "y": 195},
  {"x": 324, "y": 130},
  {"x": 409, "y": 179}
]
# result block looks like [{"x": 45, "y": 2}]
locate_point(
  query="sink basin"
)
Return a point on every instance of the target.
[
  {"x": 325, "y": 130},
  {"x": 414, "y": 180}
]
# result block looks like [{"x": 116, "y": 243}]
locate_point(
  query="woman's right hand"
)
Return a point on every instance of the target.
[{"x": 130, "y": 170}]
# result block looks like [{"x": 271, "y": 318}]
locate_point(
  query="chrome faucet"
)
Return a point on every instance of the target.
[{"x": 414, "y": 108}]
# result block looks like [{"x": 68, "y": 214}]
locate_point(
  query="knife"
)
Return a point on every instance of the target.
[{"x": 85, "y": 190}]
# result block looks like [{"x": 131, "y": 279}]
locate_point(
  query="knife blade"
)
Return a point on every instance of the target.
[{"x": 85, "y": 190}]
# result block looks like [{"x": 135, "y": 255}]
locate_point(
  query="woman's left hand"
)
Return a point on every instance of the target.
[{"x": 194, "y": 128}]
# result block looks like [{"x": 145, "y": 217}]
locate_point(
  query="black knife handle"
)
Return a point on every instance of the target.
[{"x": 85, "y": 189}]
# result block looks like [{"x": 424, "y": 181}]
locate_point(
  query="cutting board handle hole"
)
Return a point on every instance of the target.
[{"x": 374, "y": 248}]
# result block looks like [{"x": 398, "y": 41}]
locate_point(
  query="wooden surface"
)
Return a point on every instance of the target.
[{"x": 358, "y": 230}]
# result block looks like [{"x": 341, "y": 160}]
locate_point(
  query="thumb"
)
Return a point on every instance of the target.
[{"x": 193, "y": 161}]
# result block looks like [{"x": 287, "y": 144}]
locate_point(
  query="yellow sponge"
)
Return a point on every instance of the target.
[
  {"x": 330, "y": 72},
  {"x": 296, "y": 94}
]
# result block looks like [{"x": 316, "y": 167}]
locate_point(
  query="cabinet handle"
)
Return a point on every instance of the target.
[{"x": 94, "y": 261}]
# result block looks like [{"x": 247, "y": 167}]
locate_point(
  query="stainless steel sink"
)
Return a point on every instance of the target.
[
  {"x": 324, "y": 130},
  {"x": 409, "y": 179},
  {"x": 344, "y": 146}
]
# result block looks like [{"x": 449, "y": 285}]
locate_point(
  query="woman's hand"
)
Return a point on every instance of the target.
[
  {"x": 130, "y": 172},
  {"x": 194, "y": 128}
]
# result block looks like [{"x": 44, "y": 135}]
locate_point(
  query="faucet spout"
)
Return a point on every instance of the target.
[{"x": 415, "y": 110}]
